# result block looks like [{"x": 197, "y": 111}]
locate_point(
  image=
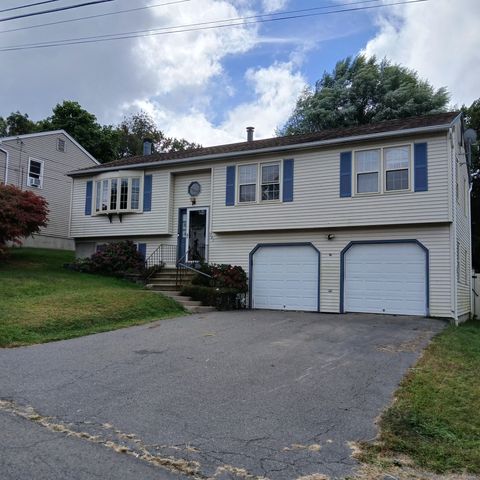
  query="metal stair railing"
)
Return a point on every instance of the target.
[{"x": 183, "y": 266}]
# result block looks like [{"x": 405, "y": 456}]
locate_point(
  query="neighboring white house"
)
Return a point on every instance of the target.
[
  {"x": 374, "y": 218},
  {"x": 39, "y": 162}
]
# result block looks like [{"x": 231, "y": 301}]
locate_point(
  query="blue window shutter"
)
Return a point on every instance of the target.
[
  {"x": 420, "y": 167},
  {"x": 147, "y": 193},
  {"x": 346, "y": 174},
  {"x": 142, "y": 249},
  {"x": 288, "y": 180},
  {"x": 230, "y": 193},
  {"x": 88, "y": 198}
]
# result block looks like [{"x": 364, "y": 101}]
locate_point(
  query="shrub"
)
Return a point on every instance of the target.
[
  {"x": 220, "y": 298},
  {"x": 22, "y": 213},
  {"x": 223, "y": 276},
  {"x": 114, "y": 259}
]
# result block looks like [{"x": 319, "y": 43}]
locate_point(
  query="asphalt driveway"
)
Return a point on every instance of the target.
[{"x": 224, "y": 395}]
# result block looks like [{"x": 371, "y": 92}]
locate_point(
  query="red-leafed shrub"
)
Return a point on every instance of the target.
[
  {"x": 114, "y": 259},
  {"x": 222, "y": 276},
  {"x": 22, "y": 213}
]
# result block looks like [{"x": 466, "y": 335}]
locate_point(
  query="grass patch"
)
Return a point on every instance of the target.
[
  {"x": 40, "y": 301},
  {"x": 435, "y": 419}
]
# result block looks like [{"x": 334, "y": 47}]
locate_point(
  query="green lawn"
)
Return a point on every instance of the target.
[
  {"x": 40, "y": 301},
  {"x": 435, "y": 419}
]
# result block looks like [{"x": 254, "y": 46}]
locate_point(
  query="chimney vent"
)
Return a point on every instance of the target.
[
  {"x": 250, "y": 134},
  {"x": 147, "y": 146}
]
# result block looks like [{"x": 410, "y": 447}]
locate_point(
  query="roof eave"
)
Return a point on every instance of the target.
[{"x": 258, "y": 151}]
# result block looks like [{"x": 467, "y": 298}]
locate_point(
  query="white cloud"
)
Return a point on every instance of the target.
[
  {"x": 438, "y": 39},
  {"x": 276, "y": 89}
]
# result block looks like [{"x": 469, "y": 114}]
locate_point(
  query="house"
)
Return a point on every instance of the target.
[
  {"x": 374, "y": 218},
  {"x": 39, "y": 162}
]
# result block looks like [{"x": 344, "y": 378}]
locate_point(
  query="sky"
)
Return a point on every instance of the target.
[{"x": 208, "y": 85}]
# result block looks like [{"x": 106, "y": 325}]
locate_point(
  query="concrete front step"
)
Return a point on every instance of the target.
[
  {"x": 192, "y": 306},
  {"x": 162, "y": 287}
]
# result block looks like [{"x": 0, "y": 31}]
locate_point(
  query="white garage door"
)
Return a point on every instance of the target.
[
  {"x": 285, "y": 278},
  {"x": 385, "y": 278}
]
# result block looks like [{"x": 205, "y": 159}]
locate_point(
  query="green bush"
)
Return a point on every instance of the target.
[
  {"x": 220, "y": 298},
  {"x": 113, "y": 259},
  {"x": 222, "y": 276}
]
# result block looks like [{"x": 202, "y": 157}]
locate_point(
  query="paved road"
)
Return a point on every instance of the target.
[{"x": 221, "y": 395}]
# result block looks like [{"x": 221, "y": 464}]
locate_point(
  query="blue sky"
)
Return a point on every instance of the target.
[{"x": 208, "y": 85}]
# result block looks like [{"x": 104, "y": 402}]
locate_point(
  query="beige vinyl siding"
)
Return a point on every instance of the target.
[
  {"x": 181, "y": 199},
  {"x": 234, "y": 248},
  {"x": 154, "y": 222},
  {"x": 461, "y": 199},
  {"x": 317, "y": 201},
  {"x": 56, "y": 188}
]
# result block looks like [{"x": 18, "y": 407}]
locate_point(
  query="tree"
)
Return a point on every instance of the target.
[
  {"x": 19, "y": 124},
  {"x": 139, "y": 126},
  {"x": 361, "y": 91},
  {"x": 472, "y": 120},
  {"x": 22, "y": 213},
  {"x": 3, "y": 127}
]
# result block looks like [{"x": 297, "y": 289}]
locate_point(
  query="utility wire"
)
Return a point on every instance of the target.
[
  {"x": 54, "y": 10},
  {"x": 28, "y": 5},
  {"x": 94, "y": 16},
  {"x": 187, "y": 28}
]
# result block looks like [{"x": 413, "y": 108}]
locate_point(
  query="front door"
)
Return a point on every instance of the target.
[{"x": 197, "y": 234}]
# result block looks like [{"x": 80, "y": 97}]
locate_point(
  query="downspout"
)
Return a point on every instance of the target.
[
  {"x": 454, "y": 224},
  {"x": 6, "y": 164}
]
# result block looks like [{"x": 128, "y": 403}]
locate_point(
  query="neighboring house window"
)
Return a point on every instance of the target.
[
  {"x": 271, "y": 181},
  {"x": 247, "y": 183},
  {"x": 397, "y": 167},
  {"x": 117, "y": 194},
  {"x": 367, "y": 168},
  {"x": 60, "y": 144},
  {"x": 35, "y": 173}
]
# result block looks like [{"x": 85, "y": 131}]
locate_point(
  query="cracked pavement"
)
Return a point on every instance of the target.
[{"x": 225, "y": 395}]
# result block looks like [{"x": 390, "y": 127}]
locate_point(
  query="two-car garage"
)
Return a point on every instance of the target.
[{"x": 375, "y": 277}]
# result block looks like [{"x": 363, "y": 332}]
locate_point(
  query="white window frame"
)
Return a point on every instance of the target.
[
  {"x": 382, "y": 172},
  {"x": 117, "y": 176},
  {"x": 258, "y": 184},
  {"x": 42, "y": 171},
  {"x": 64, "y": 145},
  {"x": 280, "y": 182},
  {"x": 379, "y": 171},
  {"x": 240, "y": 184}
]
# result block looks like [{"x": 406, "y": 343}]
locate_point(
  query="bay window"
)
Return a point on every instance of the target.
[{"x": 118, "y": 194}]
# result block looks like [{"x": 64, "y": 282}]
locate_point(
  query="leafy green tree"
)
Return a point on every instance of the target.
[
  {"x": 472, "y": 120},
  {"x": 360, "y": 91},
  {"x": 139, "y": 126},
  {"x": 19, "y": 124},
  {"x": 3, "y": 127}
]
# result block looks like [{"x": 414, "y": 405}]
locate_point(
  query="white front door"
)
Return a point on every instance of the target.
[
  {"x": 285, "y": 277},
  {"x": 196, "y": 245},
  {"x": 385, "y": 278}
]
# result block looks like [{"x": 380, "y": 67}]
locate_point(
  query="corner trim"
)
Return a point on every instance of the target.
[
  {"x": 377, "y": 242},
  {"x": 280, "y": 244}
]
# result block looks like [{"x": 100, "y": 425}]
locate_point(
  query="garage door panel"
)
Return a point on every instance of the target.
[
  {"x": 285, "y": 278},
  {"x": 385, "y": 278}
]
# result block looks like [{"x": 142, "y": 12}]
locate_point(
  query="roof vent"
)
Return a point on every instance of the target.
[
  {"x": 250, "y": 134},
  {"x": 147, "y": 146}
]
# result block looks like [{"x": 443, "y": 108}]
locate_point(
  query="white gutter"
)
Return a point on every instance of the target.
[
  {"x": 6, "y": 164},
  {"x": 296, "y": 146}
]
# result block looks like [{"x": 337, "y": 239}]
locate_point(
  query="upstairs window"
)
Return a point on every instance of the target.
[
  {"x": 35, "y": 173},
  {"x": 60, "y": 144},
  {"x": 120, "y": 194},
  {"x": 270, "y": 182},
  {"x": 247, "y": 183},
  {"x": 397, "y": 168},
  {"x": 367, "y": 169}
]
